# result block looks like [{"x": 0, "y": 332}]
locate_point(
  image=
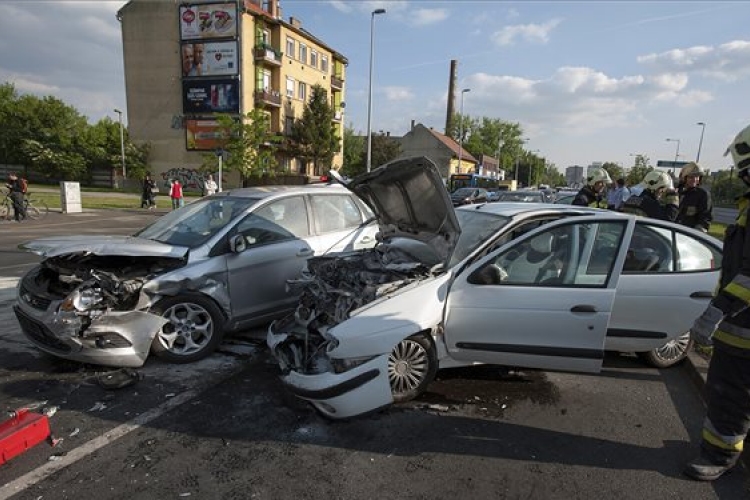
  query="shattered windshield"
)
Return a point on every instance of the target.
[
  {"x": 194, "y": 224},
  {"x": 476, "y": 228}
]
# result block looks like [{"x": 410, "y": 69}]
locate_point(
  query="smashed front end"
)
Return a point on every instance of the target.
[{"x": 92, "y": 308}]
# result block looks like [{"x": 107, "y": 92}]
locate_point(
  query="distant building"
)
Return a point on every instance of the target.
[
  {"x": 441, "y": 149},
  {"x": 574, "y": 176}
]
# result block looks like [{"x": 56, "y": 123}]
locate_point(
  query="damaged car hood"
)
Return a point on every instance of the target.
[
  {"x": 127, "y": 246},
  {"x": 410, "y": 201}
]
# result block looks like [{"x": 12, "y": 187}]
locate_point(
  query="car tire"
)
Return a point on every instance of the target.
[
  {"x": 195, "y": 328},
  {"x": 670, "y": 353},
  {"x": 412, "y": 365}
]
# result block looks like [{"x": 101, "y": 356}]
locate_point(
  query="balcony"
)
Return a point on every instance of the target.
[
  {"x": 268, "y": 98},
  {"x": 338, "y": 115},
  {"x": 265, "y": 53},
  {"x": 337, "y": 82}
]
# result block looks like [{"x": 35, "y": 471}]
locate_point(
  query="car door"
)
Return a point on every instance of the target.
[
  {"x": 336, "y": 220},
  {"x": 542, "y": 301},
  {"x": 276, "y": 237}
]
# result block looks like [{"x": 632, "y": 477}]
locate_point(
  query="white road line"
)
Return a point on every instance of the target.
[{"x": 43, "y": 472}]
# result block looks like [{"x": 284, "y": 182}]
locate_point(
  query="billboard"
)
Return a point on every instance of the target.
[
  {"x": 209, "y": 20},
  {"x": 203, "y": 134},
  {"x": 209, "y": 58},
  {"x": 210, "y": 96}
]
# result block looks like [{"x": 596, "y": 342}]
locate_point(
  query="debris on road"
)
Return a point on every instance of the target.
[{"x": 118, "y": 379}]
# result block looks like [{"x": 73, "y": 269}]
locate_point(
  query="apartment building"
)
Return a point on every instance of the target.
[{"x": 186, "y": 62}]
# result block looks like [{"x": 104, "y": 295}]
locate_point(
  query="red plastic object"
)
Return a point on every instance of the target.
[{"x": 22, "y": 431}]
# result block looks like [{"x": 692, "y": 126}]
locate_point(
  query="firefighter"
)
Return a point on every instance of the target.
[
  {"x": 657, "y": 200},
  {"x": 695, "y": 202},
  {"x": 592, "y": 194},
  {"x": 725, "y": 324}
]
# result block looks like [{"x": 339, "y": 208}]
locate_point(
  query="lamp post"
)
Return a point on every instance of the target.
[
  {"x": 700, "y": 143},
  {"x": 461, "y": 131},
  {"x": 369, "y": 96},
  {"x": 122, "y": 146},
  {"x": 677, "y": 151}
]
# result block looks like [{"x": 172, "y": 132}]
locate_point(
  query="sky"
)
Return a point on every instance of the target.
[{"x": 588, "y": 81}]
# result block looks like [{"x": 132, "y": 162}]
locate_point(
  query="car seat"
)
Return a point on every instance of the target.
[{"x": 536, "y": 263}]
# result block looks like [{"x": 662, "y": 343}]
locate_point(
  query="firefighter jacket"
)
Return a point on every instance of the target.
[
  {"x": 646, "y": 205},
  {"x": 587, "y": 197},
  {"x": 695, "y": 208},
  {"x": 733, "y": 294}
]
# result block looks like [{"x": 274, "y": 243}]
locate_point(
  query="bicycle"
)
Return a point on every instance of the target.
[{"x": 35, "y": 208}]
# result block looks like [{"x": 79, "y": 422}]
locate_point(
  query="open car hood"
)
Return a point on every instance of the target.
[
  {"x": 128, "y": 246},
  {"x": 410, "y": 201}
]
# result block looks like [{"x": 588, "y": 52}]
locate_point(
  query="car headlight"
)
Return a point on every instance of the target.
[
  {"x": 82, "y": 300},
  {"x": 344, "y": 365}
]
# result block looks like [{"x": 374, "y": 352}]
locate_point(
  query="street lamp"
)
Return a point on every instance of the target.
[
  {"x": 122, "y": 147},
  {"x": 677, "y": 152},
  {"x": 369, "y": 97},
  {"x": 461, "y": 130},
  {"x": 700, "y": 144}
]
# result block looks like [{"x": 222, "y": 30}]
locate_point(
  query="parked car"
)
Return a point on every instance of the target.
[
  {"x": 174, "y": 288},
  {"x": 539, "y": 286},
  {"x": 524, "y": 195},
  {"x": 468, "y": 196},
  {"x": 565, "y": 197}
]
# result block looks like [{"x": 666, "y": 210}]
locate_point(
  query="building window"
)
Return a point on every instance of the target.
[
  {"x": 266, "y": 80},
  {"x": 303, "y": 53},
  {"x": 289, "y": 87},
  {"x": 302, "y": 91},
  {"x": 314, "y": 58},
  {"x": 265, "y": 38},
  {"x": 324, "y": 64},
  {"x": 290, "y": 46}
]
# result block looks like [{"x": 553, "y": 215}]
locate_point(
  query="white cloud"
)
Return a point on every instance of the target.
[
  {"x": 397, "y": 93},
  {"x": 729, "y": 61},
  {"x": 340, "y": 5},
  {"x": 423, "y": 17},
  {"x": 534, "y": 33}
]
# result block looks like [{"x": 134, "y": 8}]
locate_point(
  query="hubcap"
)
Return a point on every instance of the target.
[
  {"x": 408, "y": 366},
  {"x": 674, "y": 349},
  {"x": 189, "y": 330}
]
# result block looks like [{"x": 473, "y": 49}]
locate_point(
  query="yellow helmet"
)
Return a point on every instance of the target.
[
  {"x": 597, "y": 174},
  {"x": 740, "y": 149},
  {"x": 689, "y": 170},
  {"x": 655, "y": 180}
]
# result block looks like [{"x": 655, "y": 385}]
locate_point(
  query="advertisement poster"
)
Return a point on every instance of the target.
[
  {"x": 203, "y": 134},
  {"x": 214, "y": 20},
  {"x": 209, "y": 59},
  {"x": 210, "y": 96}
]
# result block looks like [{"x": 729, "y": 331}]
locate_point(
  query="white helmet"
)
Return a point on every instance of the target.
[
  {"x": 598, "y": 175},
  {"x": 655, "y": 180},
  {"x": 740, "y": 149},
  {"x": 690, "y": 169}
]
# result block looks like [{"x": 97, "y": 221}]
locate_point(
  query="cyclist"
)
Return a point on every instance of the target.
[{"x": 16, "y": 194}]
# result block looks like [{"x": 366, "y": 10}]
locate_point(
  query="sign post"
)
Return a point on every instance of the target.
[{"x": 220, "y": 154}]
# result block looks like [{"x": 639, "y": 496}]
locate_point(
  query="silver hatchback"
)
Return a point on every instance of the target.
[{"x": 217, "y": 265}]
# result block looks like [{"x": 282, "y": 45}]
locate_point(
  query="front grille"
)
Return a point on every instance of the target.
[
  {"x": 35, "y": 301},
  {"x": 40, "y": 333}
]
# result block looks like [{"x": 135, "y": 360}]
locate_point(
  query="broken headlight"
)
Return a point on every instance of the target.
[
  {"x": 82, "y": 299},
  {"x": 344, "y": 365}
]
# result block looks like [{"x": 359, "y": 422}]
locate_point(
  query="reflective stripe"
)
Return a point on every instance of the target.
[
  {"x": 731, "y": 443},
  {"x": 739, "y": 291},
  {"x": 742, "y": 214},
  {"x": 733, "y": 340}
]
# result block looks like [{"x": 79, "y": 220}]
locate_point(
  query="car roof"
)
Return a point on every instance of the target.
[
  {"x": 278, "y": 190},
  {"x": 512, "y": 209}
]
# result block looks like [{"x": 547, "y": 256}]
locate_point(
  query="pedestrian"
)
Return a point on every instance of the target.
[
  {"x": 175, "y": 192},
  {"x": 592, "y": 194},
  {"x": 210, "y": 186},
  {"x": 657, "y": 200},
  {"x": 621, "y": 194},
  {"x": 725, "y": 324},
  {"x": 695, "y": 202},
  {"x": 611, "y": 196},
  {"x": 16, "y": 187},
  {"x": 148, "y": 193}
]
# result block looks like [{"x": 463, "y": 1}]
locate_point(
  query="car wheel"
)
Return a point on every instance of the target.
[
  {"x": 411, "y": 367},
  {"x": 194, "y": 330},
  {"x": 670, "y": 353}
]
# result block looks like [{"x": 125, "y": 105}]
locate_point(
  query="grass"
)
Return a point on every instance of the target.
[{"x": 93, "y": 198}]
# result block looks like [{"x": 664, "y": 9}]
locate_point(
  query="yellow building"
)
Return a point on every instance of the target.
[{"x": 185, "y": 62}]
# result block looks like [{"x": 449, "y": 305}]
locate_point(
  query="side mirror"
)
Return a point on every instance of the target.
[{"x": 237, "y": 243}]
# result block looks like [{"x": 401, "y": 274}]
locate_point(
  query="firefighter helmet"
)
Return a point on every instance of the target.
[
  {"x": 690, "y": 170},
  {"x": 740, "y": 149},
  {"x": 598, "y": 175},
  {"x": 655, "y": 180}
]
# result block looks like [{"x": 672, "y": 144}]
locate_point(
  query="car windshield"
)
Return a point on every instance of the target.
[
  {"x": 523, "y": 197},
  {"x": 464, "y": 192},
  {"x": 194, "y": 224},
  {"x": 476, "y": 228}
]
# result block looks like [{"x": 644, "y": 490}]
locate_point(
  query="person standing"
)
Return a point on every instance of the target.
[
  {"x": 592, "y": 194},
  {"x": 147, "y": 195},
  {"x": 725, "y": 324},
  {"x": 657, "y": 200},
  {"x": 210, "y": 185},
  {"x": 15, "y": 185},
  {"x": 175, "y": 192},
  {"x": 621, "y": 194},
  {"x": 695, "y": 202}
]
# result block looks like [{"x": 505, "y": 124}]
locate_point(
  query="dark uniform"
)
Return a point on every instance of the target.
[
  {"x": 646, "y": 205},
  {"x": 16, "y": 194},
  {"x": 695, "y": 208},
  {"x": 587, "y": 197}
]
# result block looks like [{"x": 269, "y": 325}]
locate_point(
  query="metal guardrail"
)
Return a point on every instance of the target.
[{"x": 724, "y": 215}]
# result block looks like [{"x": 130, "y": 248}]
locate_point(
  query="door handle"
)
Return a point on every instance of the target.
[
  {"x": 304, "y": 252},
  {"x": 702, "y": 295},
  {"x": 583, "y": 309}
]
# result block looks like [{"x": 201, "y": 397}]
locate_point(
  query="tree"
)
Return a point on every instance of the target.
[
  {"x": 493, "y": 137},
  {"x": 314, "y": 135},
  {"x": 638, "y": 171},
  {"x": 614, "y": 170},
  {"x": 249, "y": 144},
  {"x": 384, "y": 149},
  {"x": 354, "y": 153}
]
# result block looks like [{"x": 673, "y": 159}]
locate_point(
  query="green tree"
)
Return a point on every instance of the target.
[
  {"x": 354, "y": 153},
  {"x": 384, "y": 149},
  {"x": 314, "y": 135},
  {"x": 614, "y": 170},
  {"x": 725, "y": 188},
  {"x": 641, "y": 166}
]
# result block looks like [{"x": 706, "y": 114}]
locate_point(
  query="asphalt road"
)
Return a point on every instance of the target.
[{"x": 225, "y": 428}]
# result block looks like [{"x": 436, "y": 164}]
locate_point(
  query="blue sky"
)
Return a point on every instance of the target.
[{"x": 588, "y": 81}]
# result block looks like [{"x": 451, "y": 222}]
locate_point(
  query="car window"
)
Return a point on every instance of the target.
[
  {"x": 280, "y": 220},
  {"x": 335, "y": 213},
  {"x": 695, "y": 255},
  {"x": 650, "y": 250}
]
